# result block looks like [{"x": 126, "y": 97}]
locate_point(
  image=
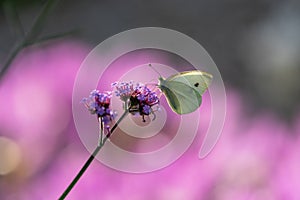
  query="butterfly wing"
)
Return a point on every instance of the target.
[
  {"x": 182, "y": 98},
  {"x": 196, "y": 79}
]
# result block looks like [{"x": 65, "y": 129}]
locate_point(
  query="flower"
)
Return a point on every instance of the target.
[
  {"x": 138, "y": 97},
  {"x": 124, "y": 90},
  {"x": 141, "y": 101},
  {"x": 98, "y": 103}
]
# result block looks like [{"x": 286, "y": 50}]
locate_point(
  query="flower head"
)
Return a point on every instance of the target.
[
  {"x": 98, "y": 103},
  {"x": 124, "y": 90},
  {"x": 141, "y": 101}
]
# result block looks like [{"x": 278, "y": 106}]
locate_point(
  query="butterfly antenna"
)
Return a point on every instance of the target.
[
  {"x": 154, "y": 69},
  {"x": 153, "y": 85}
]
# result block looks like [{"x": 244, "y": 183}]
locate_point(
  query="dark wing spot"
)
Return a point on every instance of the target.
[{"x": 196, "y": 84}]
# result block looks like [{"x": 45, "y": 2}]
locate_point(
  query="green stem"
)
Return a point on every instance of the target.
[{"x": 91, "y": 158}]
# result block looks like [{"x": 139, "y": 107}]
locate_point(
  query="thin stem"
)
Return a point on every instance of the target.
[
  {"x": 37, "y": 26},
  {"x": 13, "y": 19},
  {"x": 101, "y": 132},
  {"x": 91, "y": 158},
  {"x": 51, "y": 37},
  {"x": 10, "y": 59},
  {"x": 30, "y": 36}
]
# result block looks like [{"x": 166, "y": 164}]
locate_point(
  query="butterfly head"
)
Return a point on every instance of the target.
[{"x": 162, "y": 82}]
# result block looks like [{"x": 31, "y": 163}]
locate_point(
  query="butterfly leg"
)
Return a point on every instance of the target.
[{"x": 154, "y": 115}]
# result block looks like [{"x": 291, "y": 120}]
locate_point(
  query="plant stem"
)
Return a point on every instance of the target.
[
  {"x": 31, "y": 36},
  {"x": 91, "y": 158},
  {"x": 100, "y": 139},
  {"x": 10, "y": 59}
]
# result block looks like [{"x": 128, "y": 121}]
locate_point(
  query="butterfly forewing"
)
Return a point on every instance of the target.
[{"x": 198, "y": 80}]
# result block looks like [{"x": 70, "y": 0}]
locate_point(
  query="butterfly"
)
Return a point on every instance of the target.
[{"x": 184, "y": 90}]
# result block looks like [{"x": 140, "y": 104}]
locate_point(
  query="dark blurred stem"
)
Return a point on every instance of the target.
[
  {"x": 31, "y": 36},
  {"x": 52, "y": 37},
  {"x": 39, "y": 21},
  {"x": 91, "y": 158},
  {"x": 10, "y": 59},
  {"x": 13, "y": 19}
]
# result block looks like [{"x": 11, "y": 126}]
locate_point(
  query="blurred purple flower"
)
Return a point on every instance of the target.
[
  {"x": 37, "y": 92},
  {"x": 287, "y": 176},
  {"x": 254, "y": 159}
]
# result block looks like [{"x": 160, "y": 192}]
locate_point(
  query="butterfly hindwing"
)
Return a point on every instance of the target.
[
  {"x": 181, "y": 97},
  {"x": 172, "y": 99}
]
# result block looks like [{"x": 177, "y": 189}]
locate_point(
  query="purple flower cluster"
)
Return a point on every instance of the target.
[
  {"x": 141, "y": 101},
  {"x": 98, "y": 103},
  {"x": 138, "y": 97},
  {"x": 124, "y": 90}
]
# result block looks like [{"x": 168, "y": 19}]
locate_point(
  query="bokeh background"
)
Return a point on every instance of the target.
[{"x": 256, "y": 46}]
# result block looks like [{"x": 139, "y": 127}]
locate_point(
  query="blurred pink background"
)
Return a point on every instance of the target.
[
  {"x": 256, "y": 157},
  {"x": 256, "y": 47}
]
